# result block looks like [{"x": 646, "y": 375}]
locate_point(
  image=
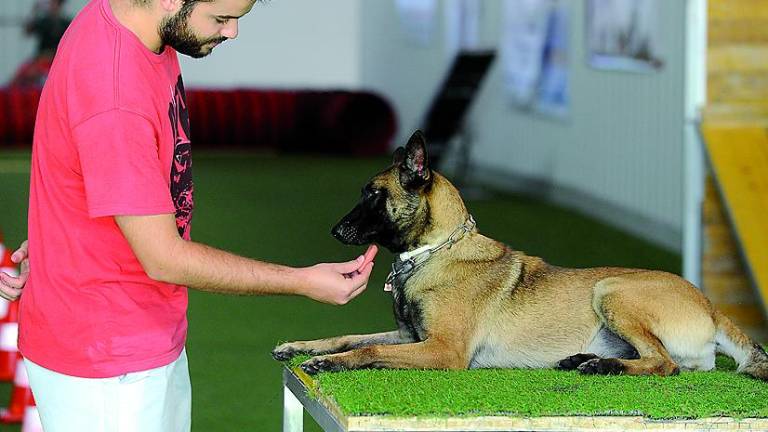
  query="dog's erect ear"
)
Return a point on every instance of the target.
[
  {"x": 414, "y": 169},
  {"x": 398, "y": 157}
]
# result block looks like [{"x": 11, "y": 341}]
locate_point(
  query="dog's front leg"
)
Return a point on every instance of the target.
[
  {"x": 429, "y": 354},
  {"x": 339, "y": 344}
]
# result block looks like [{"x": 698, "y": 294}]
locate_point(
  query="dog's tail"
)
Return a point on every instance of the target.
[{"x": 730, "y": 340}]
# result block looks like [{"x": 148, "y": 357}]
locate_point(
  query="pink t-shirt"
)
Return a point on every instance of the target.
[{"x": 111, "y": 138}]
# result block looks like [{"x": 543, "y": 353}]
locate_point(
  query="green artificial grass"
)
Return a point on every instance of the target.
[
  {"x": 281, "y": 209},
  {"x": 533, "y": 393}
]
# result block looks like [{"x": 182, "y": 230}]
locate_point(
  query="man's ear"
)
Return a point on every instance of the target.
[
  {"x": 414, "y": 169},
  {"x": 170, "y": 6}
]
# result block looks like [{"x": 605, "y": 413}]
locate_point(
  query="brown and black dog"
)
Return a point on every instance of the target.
[{"x": 463, "y": 300}]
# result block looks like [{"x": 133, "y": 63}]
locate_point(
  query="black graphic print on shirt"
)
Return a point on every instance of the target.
[{"x": 182, "y": 187}]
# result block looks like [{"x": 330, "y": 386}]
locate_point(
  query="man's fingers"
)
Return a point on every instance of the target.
[
  {"x": 358, "y": 291},
  {"x": 9, "y": 294},
  {"x": 25, "y": 268},
  {"x": 10, "y": 287},
  {"x": 369, "y": 255},
  {"x": 21, "y": 253},
  {"x": 351, "y": 269},
  {"x": 13, "y": 282},
  {"x": 363, "y": 274}
]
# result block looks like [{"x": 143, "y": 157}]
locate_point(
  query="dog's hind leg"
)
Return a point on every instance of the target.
[
  {"x": 627, "y": 306},
  {"x": 574, "y": 361},
  {"x": 338, "y": 344}
]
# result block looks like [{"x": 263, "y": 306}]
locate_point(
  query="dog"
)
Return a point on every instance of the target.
[{"x": 463, "y": 300}]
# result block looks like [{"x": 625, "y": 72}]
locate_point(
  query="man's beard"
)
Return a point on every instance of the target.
[{"x": 175, "y": 32}]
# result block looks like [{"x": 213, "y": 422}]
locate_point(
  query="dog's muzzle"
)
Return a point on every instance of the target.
[{"x": 347, "y": 234}]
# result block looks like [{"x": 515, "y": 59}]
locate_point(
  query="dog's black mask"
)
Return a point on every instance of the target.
[{"x": 368, "y": 222}]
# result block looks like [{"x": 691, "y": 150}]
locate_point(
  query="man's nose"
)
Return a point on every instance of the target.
[{"x": 230, "y": 29}]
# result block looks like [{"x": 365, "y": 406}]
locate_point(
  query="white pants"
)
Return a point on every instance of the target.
[{"x": 156, "y": 400}]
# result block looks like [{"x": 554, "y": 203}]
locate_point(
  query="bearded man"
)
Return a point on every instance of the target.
[{"x": 109, "y": 258}]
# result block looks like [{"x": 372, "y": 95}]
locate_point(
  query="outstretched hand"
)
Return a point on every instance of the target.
[
  {"x": 338, "y": 283},
  {"x": 11, "y": 286}
]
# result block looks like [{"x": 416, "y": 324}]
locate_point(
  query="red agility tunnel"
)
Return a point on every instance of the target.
[{"x": 349, "y": 123}]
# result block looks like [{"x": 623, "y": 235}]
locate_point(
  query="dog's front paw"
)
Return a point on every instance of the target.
[
  {"x": 286, "y": 351},
  {"x": 316, "y": 365},
  {"x": 573, "y": 362},
  {"x": 601, "y": 366}
]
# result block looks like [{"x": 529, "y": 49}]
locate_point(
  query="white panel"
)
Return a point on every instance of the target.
[{"x": 293, "y": 44}]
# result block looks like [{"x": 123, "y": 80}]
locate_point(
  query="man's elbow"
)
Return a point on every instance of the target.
[
  {"x": 161, "y": 273},
  {"x": 163, "y": 267}
]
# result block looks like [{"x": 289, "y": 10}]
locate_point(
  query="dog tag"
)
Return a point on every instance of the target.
[{"x": 387, "y": 287}]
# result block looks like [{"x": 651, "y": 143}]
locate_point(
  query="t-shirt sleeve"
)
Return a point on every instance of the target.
[{"x": 120, "y": 166}]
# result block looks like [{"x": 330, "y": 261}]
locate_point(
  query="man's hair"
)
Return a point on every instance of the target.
[{"x": 186, "y": 2}]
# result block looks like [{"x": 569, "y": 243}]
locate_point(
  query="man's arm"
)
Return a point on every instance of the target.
[{"x": 166, "y": 257}]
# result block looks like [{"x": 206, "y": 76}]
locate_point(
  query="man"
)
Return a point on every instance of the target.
[
  {"x": 103, "y": 320},
  {"x": 48, "y": 24}
]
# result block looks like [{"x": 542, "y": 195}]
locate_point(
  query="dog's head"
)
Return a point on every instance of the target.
[{"x": 397, "y": 208}]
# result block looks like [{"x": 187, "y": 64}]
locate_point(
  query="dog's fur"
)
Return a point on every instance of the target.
[{"x": 481, "y": 304}]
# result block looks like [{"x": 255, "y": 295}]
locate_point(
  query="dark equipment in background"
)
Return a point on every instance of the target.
[{"x": 446, "y": 115}]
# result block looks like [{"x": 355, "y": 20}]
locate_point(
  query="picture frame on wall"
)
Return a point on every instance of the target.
[
  {"x": 535, "y": 56},
  {"x": 623, "y": 35}
]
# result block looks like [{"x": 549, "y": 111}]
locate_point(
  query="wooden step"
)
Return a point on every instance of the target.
[
  {"x": 739, "y": 159},
  {"x": 748, "y": 58},
  {"x": 737, "y": 31},
  {"x": 745, "y": 113},
  {"x": 737, "y": 87},
  {"x": 737, "y": 9}
]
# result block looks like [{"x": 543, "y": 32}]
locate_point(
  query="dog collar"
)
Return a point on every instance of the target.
[{"x": 407, "y": 262}]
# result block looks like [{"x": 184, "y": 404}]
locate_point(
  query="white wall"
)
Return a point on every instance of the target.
[
  {"x": 287, "y": 43},
  {"x": 617, "y": 157},
  {"x": 282, "y": 43}
]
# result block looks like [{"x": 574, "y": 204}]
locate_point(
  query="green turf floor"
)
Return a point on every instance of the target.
[{"x": 281, "y": 209}]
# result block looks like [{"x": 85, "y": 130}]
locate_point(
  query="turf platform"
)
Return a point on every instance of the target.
[
  {"x": 281, "y": 209},
  {"x": 496, "y": 399}
]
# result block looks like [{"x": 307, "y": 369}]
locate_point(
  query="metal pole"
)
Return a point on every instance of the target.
[{"x": 293, "y": 412}]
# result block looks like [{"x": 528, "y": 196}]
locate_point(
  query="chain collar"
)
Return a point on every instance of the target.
[{"x": 409, "y": 261}]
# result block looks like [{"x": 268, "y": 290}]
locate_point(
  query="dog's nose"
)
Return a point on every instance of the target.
[
  {"x": 345, "y": 233},
  {"x": 338, "y": 231}
]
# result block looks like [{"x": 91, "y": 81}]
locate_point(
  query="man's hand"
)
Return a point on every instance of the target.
[
  {"x": 338, "y": 283},
  {"x": 10, "y": 286}
]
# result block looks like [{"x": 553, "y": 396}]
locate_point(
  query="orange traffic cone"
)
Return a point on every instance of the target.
[
  {"x": 9, "y": 334},
  {"x": 32, "y": 422},
  {"x": 21, "y": 396}
]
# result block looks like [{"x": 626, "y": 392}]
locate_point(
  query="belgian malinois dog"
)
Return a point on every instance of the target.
[{"x": 463, "y": 300}]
